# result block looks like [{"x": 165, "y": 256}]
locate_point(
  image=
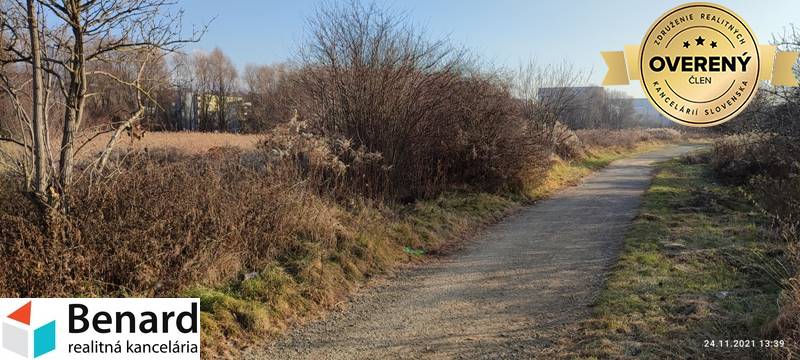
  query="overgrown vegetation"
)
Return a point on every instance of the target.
[
  {"x": 265, "y": 237},
  {"x": 767, "y": 167},
  {"x": 368, "y": 78},
  {"x": 696, "y": 265},
  {"x": 761, "y": 155},
  {"x": 399, "y": 146}
]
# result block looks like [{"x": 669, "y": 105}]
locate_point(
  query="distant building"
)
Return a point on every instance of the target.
[{"x": 189, "y": 111}]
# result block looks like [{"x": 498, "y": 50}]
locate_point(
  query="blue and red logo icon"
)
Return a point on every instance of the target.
[{"x": 19, "y": 339}]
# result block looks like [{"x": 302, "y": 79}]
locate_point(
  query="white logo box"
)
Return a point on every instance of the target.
[{"x": 100, "y": 328}]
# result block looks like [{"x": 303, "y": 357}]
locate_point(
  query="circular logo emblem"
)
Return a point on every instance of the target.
[{"x": 699, "y": 64}]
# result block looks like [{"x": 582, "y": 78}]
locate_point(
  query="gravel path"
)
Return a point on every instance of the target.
[{"x": 505, "y": 295}]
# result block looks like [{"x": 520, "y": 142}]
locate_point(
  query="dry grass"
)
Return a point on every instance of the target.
[
  {"x": 626, "y": 138},
  {"x": 187, "y": 142},
  {"x": 261, "y": 250},
  {"x": 184, "y": 141}
]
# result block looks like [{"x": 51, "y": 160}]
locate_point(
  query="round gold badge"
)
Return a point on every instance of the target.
[{"x": 699, "y": 64}]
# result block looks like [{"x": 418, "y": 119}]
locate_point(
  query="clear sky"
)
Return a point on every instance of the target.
[{"x": 503, "y": 32}]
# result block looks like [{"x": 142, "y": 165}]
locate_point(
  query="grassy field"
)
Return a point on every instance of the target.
[{"x": 696, "y": 266}]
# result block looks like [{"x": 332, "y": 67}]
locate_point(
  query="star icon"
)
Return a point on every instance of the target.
[
  {"x": 686, "y": 44},
  {"x": 713, "y": 44},
  {"x": 700, "y": 40}
]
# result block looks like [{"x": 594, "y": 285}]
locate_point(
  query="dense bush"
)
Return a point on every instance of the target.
[
  {"x": 769, "y": 165},
  {"x": 737, "y": 158},
  {"x": 435, "y": 122},
  {"x": 166, "y": 220}
]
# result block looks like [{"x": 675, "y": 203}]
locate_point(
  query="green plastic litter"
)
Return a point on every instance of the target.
[{"x": 411, "y": 251}]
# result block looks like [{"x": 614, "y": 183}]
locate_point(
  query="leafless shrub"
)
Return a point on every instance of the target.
[
  {"x": 369, "y": 78},
  {"x": 567, "y": 144},
  {"x": 738, "y": 158},
  {"x": 624, "y": 138},
  {"x": 547, "y": 94},
  {"x": 268, "y": 91},
  {"x": 770, "y": 166},
  {"x": 332, "y": 165}
]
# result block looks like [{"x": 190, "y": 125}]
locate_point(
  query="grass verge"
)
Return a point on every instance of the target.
[{"x": 695, "y": 267}]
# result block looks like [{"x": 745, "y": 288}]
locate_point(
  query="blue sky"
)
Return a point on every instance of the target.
[{"x": 502, "y": 32}]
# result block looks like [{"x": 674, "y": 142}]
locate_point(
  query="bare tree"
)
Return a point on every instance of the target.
[
  {"x": 203, "y": 86},
  {"x": 223, "y": 85},
  {"x": 547, "y": 93},
  {"x": 215, "y": 82},
  {"x": 266, "y": 91},
  {"x": 784, "y": 101},
  {"x": 82, "y": 35},
  {"x": 612, "y": 109},
  {"x": 774, "y": 109},
  {"x": 183, "y": 78},
  {"x": 18, "y": 23},
  {"x": 141, "y": 92},
  {"x": 40, "y": 177}
]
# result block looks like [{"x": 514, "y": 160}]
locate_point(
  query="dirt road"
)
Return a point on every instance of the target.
[{"x": 504, "y": 295}]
